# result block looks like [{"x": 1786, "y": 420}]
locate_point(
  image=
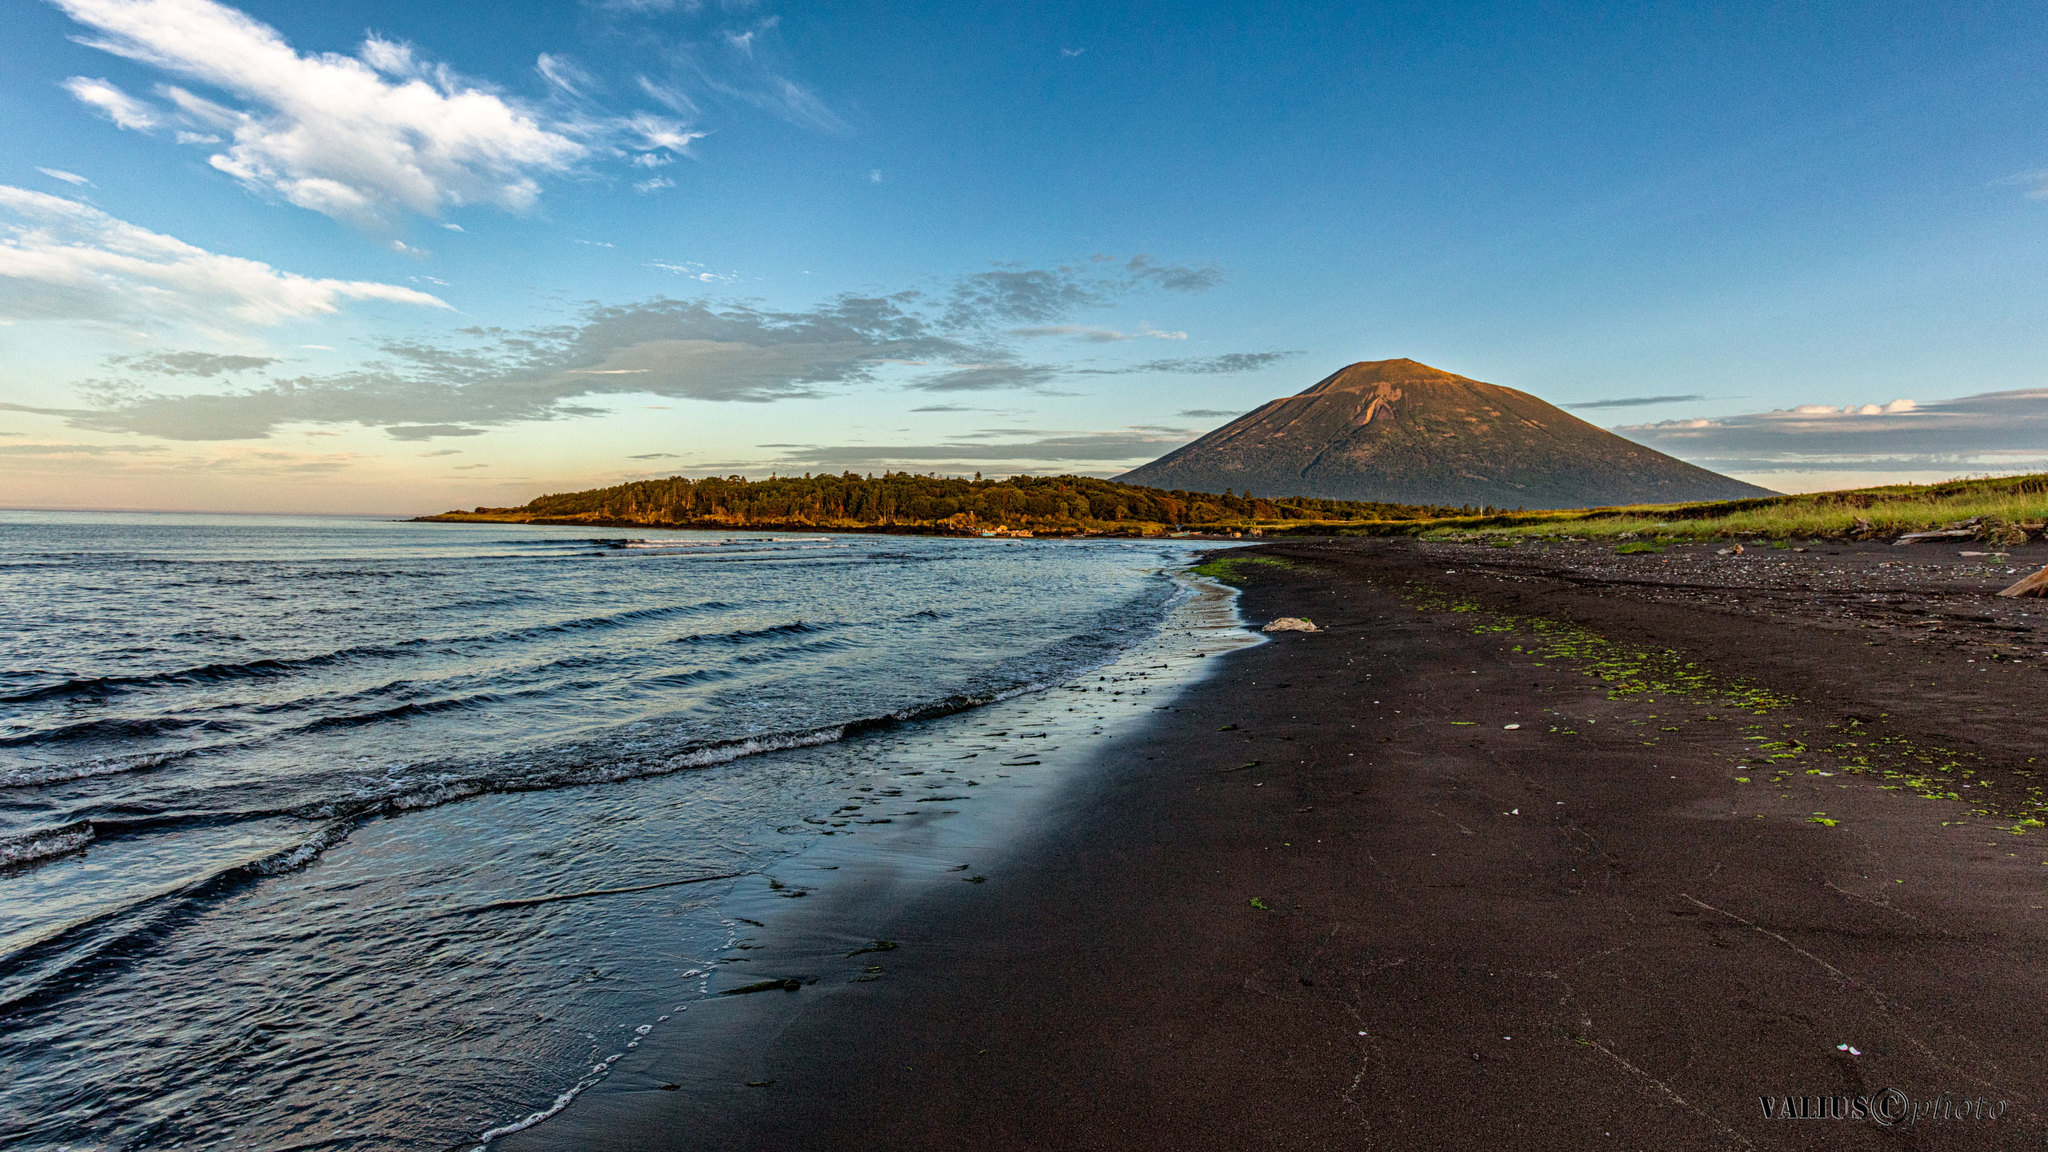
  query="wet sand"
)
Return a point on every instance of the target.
[{"x": 1330, "y": 899}]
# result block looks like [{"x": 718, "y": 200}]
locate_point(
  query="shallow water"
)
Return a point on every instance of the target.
[{"x": 243, "y": 908}]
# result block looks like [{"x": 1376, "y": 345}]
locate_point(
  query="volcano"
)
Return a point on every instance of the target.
[{"x": 1405, "y": 433}]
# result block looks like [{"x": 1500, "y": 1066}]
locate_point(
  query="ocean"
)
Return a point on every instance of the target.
[{"x": 345, "y": 833}]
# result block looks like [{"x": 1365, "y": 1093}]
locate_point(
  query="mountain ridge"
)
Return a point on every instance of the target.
[{"x": 1400, "y": 431}]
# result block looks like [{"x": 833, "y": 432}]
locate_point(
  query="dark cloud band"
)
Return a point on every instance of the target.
[{"x": 680, "y": 349}]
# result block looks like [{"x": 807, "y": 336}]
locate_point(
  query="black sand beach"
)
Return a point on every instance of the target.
[{"x": 1534, "y": 848}]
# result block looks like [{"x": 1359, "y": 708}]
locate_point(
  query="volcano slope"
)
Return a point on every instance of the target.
[{"x": 1403, "y": 432}]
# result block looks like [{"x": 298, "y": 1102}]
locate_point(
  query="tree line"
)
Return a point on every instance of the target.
[{"x": 938, "y": 503}]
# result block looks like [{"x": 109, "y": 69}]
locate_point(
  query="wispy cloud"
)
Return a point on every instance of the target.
[
  {"x": 691, "y": 270},
  {"x": 60, "y": 259},
  {"x": 47, "y": 450},
  {"x": 669, "y": 348},
  {"x": 1173, "y": 277},
  {"x": 1095, "y": 335},
  {"x": 784, "y": 98},
  {"x": 674, "y": 349},
  {"x": 1061, "y": 452},
  {"x": 164, "y": 468},
  {"x": 1635, "y": 401},
  {"x": 189, "y": 363},
  {"x": 67, "y": 177},
  {"x": 123, "y": 110},
  {"x": 1038, "y": 295},
  {"x": 1226, "y": 364},
  {"x": 1986, "y": 432},
  {"x": 1039, "y": 298},
  {"x": 718, "y": 53},
  {"x": 989, "y": 377},
  {"x": 362, "y": 138},
  {"x": 1017, "y": 374},
  {"x": 1206, "y": 413},
  {"x": 564, "y": 74}
]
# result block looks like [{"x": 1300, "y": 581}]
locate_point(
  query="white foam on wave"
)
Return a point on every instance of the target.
[
  {"x": 83, "y": 769},
  {"x": 395, "y": 794},
  {"x": 740, "y": 749},
  {"x": 597, "y": 1072},
  {"x": 301, "y": 854},
  {"x": 45, "y": 843},
  {"x": 437, "y": 796}
]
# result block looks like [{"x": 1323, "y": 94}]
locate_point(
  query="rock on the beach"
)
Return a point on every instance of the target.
[
  {"x": 2035, "y": 585},
  {"x": 1290, "y": 624}
]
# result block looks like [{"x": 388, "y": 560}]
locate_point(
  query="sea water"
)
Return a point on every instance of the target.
[{"x": 343, "y": 833}]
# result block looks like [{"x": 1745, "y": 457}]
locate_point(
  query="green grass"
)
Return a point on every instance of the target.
[
  {"x": 1650, "y": 674},
  {"x": 1231, "y": 569},
  {"x": 2008, "y": 510}
]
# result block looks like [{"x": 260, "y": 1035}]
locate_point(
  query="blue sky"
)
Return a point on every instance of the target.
[{"x": 392, "y": 258}]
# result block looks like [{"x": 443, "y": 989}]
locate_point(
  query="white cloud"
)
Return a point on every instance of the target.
[
  {"x": 694, "y": 271},
  {"x": 60, "y": 174},
  {"x": 744, "y": 41},
  {"x": 60, "y": 259},
  {"x": 359, "y": 139},
  {"x": 1992, "y": 431},
  {"x": 563, "y": 74},
  {"x": 783, "y": 97},
  {"x": 124, "y": 110},
  {"x": 654, "y": 185},
  {"x": 670, "y": 96},
  {"x": 659, "y": 132}
]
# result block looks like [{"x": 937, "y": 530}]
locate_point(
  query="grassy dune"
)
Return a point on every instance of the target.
[{"x": 2007, "y": 510}]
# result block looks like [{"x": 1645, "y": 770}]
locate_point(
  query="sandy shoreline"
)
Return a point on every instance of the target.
[{"x": 1332, "y": 900}]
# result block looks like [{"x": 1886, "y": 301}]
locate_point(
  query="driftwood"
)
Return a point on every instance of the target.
[
  {"x": 1938, "y": 534},
  {"x": 1290, "y": 624},
  {"x": 2035, "y": 585}
]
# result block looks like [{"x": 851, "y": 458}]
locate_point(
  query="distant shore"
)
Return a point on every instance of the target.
[
  {"x": 1996, "y": 512},
  {"x": 878, "y": 529},
  {"x": 1551, "y": 848}
]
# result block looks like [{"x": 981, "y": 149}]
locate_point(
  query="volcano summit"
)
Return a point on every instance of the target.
[{"x": 1403, "y": 432}]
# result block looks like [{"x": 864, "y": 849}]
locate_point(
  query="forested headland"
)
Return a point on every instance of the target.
[{"x": 906, "y": 502}]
